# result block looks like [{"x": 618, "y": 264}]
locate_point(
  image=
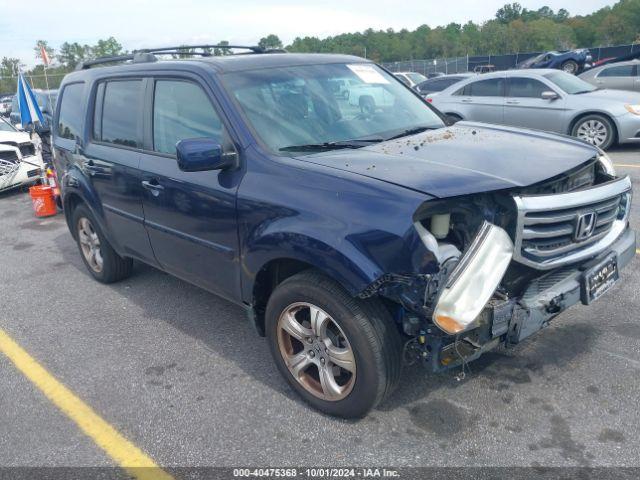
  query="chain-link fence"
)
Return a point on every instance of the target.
[
  {"x": 426, "y": 67},
  {"x": 9, "y": 84},
  {"x": 500, "y": 62}
]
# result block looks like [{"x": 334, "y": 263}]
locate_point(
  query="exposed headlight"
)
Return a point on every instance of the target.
[
  {"x": 635, "y": 109},
  {"x": 474, "y": 280},
  {"x": 606, "y": 163}
]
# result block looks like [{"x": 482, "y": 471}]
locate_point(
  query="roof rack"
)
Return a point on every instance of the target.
[
  {"x": 147, "y": 55},
  {"x": 164, "y": 50}
]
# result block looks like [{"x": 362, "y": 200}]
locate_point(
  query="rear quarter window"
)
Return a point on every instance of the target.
[{"x": 70, "y": 119}]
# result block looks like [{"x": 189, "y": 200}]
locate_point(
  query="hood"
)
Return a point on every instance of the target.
[
  {"x": 621, "y": 96},
  {"x": 17, "y": 137},
  {"x": 463, "y": 159}
]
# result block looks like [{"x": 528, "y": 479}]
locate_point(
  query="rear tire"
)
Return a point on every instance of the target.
[
  {"x": 102, "y": 261},
  {"x": 595, "y": 129},
  {"x": 363, "y": 332}
]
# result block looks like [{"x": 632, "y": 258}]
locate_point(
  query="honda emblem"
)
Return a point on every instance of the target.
[{"x": 585, "y": 226}]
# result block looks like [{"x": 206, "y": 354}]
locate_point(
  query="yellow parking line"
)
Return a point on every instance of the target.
[
  {"x": 625, "y": 165},
  {"x": 121, "y": 450}
]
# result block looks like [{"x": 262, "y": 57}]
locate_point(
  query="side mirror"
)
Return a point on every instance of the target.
[
  {"x": 549, "y": 95},
  {"x": 200, "y": 154}
]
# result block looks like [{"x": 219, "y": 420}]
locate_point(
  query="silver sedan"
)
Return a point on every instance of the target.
[
  {"x": 617, "y": 76},
  {"x": 548, "y": 100}
]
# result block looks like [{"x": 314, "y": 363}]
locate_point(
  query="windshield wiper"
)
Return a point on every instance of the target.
[
  {"x": 410, "y": 131},
  {"x": 319, "y": 147}
]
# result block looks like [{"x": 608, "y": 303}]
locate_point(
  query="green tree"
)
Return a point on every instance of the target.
[
  {"x": 509, "y": 13},
  {"x": 107, "y": 48},
  {"x": 270, "y": 41},
  {"x": 70, "y": 54},
  {"x": 613, "y": 30},
  {"x": 222, "y": 51},
  {"x": 43, "y": 44}
]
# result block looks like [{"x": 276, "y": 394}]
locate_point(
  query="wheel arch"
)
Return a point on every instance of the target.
[
  {"x": 454, "y": 114},
  {"x": 581, "y": 115},
  {"x": 350, "y": 273},
  {"x": 76, "y": 190}
]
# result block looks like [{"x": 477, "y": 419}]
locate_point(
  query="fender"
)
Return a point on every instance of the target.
[
  {"x": 75, "y": 183},
  {"x": 363, "y": 231}
]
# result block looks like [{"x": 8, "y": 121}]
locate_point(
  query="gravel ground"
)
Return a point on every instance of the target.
[{"x": 182, "y": 375}]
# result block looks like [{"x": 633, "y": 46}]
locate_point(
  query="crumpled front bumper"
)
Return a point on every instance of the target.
[
  {"x": 513, "y": 320},
  {"x": 553, "y": 293}
]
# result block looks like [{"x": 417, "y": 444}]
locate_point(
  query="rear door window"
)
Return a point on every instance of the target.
[
  {"x": 493, "y": 87},
  {"x": 182, "y": 110},
  {"x": 70, "y": 120},
  {"x": 118, "y": 113}
]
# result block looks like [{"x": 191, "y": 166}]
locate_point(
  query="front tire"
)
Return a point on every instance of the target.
[
  {"x": 102, "y": 261},
  {"x": 595, "y": 129},
  {"x": 570, "y": 67},
  {"x": 342, "y": 355}
]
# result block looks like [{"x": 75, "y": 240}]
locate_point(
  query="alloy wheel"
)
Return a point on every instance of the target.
[
  {"x": 593, "y": 131},
  {"x": 316, "y": 351},
  {"x": 90, "y": 244}
]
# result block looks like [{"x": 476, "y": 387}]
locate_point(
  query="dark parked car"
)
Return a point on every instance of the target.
[
  {"x": 572, "y": 61},
  {"x": 354, "y": 240}
]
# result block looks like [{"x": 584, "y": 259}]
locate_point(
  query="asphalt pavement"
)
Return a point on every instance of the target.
[{"x": 181, "y": 374}]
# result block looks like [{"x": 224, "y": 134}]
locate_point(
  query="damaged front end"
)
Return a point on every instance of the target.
[{"x": 502, "y": 265}]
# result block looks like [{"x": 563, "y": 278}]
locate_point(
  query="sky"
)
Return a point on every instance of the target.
[{"x": 143, "y": 23}]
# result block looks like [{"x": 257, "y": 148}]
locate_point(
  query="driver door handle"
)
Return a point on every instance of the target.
[
  {"x": 153, "y": 186},
  {"x": 513, "y": 102},
  {"x": 90, "y": 167},
  {"x": 466, "y": 100}
]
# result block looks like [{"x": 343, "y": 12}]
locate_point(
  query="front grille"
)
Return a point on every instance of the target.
[
  {"x": 9, "y": 162},
  {"x": 555, "y": 230},
  {"x": 9, "y": 155}
]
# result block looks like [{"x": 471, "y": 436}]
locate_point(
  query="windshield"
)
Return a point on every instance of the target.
[
  {"x": 301, "y": 106},
  {"x": 5, "y": 127},
  {"x": 533, "y": 60},
  {"x": 569, "y": 83},
  {"x": 416, "y": 77}
]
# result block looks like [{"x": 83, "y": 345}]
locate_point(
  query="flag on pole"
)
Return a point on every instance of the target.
[
  {"x": 29, "y": 109},
  {"x": 43, "y": 54}
]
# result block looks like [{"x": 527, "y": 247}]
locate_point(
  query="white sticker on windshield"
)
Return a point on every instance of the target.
[{"x": 367, "y": 73}]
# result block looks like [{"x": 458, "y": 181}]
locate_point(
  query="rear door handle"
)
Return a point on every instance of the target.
[
  {"x": 513, "y": 102},
  {"x": 467, "y": 100},
  {"x": 153, "y": 186}
]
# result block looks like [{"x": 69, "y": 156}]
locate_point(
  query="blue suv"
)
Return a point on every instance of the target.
[{"x": 360, "y": 232}]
